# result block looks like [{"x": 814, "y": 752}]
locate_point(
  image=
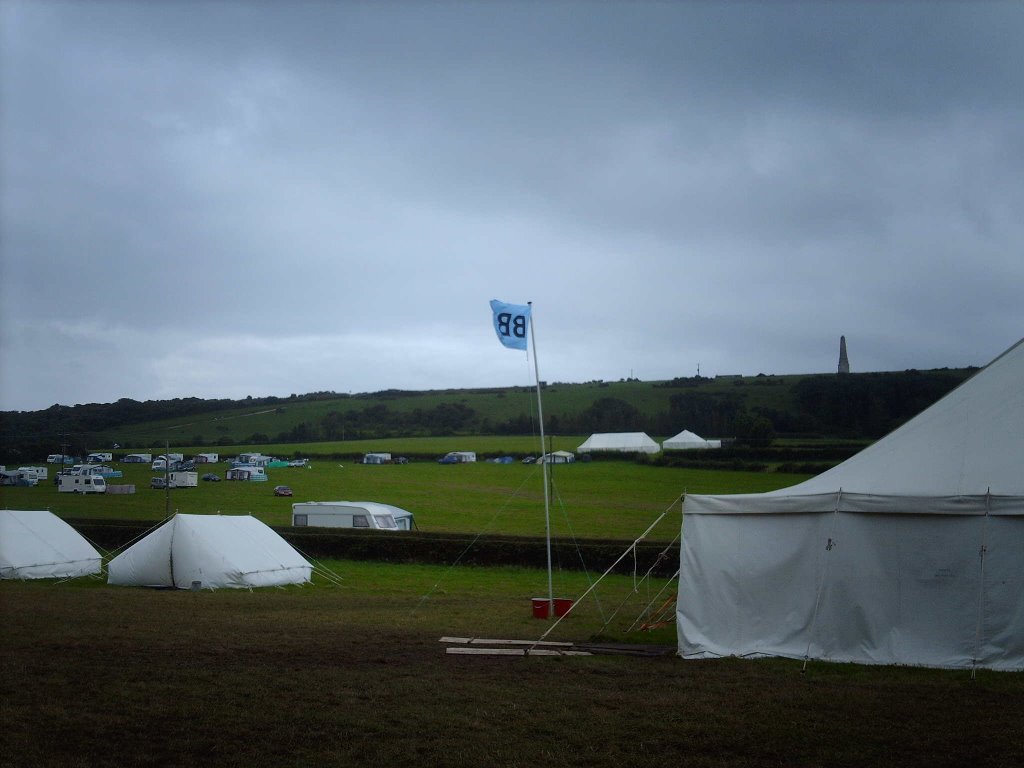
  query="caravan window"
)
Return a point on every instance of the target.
[
  {"x": 300, "y": 520},
  {"x": 385, "y": 521},
  {"x": 360, "y": 521}
]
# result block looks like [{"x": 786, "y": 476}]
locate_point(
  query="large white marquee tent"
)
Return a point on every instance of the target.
[
  {"x": 214, "y": 550},
  {"x": 910, "y": 552},
  {"x": 623, "y": 442},
  {"x": 36, "y": 544},
  {"x": 687, "y": 440}
]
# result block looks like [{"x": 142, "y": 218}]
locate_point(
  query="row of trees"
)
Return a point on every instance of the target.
[{"x": 856, "y": 406}]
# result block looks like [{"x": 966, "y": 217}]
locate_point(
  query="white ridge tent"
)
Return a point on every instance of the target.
[
  {"x": 684, "y": 441},
  {"x": 39, "y": 545},
  {"x": 623, "y": 442},
  {"x": 910, "y": 552},
  {"x": 214, "y": 550}
]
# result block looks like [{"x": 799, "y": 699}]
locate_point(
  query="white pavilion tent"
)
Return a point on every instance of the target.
[
  {"x": 623, "y": 442},
  {"x": 210, "y": 551},
  {"x": 36, "y": 544},
  {"x": 910, "y": 552},
  {"x": 687, "y": 440}
]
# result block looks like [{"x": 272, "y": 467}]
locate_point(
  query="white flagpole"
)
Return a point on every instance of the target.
[{"x": 547, "y": 492}]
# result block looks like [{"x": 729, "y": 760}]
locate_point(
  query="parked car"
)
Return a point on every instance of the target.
[
  {"x": 158, "y": 482},
  {"x": 401, "y": 460},
  {"x": 529, "y": 459},
  {"x": 282, "y": 490},
  {"x": 211, "y": 477}
]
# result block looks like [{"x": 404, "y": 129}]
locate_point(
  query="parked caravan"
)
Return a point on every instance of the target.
[
  {"x": 207, "y": 458},
  {"x": 252, "y": 459},
  {"x": 17, "y": 477},
  {"x": 99, "y": 458},
  {"x": 59, "y": 458},
  {"x": 557, "y": 457},
  {"x": 377, "y": 458},
  {"x": 39, "y": 473},
  {"x": 255, "y": 474},
  {"x": 458, "y": 457},
  {"x": 351, "y": 514},
  {"x": 138, "y": 458},
  {"x": 81, "y": 484},
  {"x": 183, "y": 479}
]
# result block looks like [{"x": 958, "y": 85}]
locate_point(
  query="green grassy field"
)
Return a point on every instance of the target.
[
  {"x": 610, "y": 499},
  {"x": 355, "y": 674}
]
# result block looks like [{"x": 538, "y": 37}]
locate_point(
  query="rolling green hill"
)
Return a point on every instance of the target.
[{"x": 758, "y": 408}]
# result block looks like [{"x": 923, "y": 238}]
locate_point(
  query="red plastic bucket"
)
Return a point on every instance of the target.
[{"x": 541, "y": 607}]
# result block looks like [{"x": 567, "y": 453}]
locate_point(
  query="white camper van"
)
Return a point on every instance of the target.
[
  {"x": 184, "y": 479},
  {"x": 81, "y": 484},
  {"x": 99, "y": 458},
  {"x": 351, "y": 514}
]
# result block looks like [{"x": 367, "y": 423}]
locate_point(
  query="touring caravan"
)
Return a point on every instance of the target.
[
  {"x": 458, "y": 457},
  {"x": 351, "y": 514},
  {"x": 255, "y": 474},
  {"x": 81, "y": 484},
  {"x": 377, "y": 458},
  {"x": 99, "y": 457},
  {"x": 184, "y": 479}
]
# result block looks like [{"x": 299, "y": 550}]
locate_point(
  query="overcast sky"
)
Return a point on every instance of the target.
[{"x": 221, "y": 199}]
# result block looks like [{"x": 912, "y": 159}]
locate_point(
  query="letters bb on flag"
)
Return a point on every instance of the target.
[{"x": 511, "y": 322}]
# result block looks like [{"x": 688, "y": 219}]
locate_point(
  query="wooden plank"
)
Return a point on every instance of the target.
[
  {"x": 485, "y": 641},
  {"x": 464, "y": 651}
]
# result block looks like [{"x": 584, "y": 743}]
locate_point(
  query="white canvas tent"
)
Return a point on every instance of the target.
[
  {"x": 214, "y": 550},
  {"x": 623, "y": 442},
  {"x": 39, "y": 545},
  {"x": 910, "y": 552},
  {"x": 685, "y": 441}
]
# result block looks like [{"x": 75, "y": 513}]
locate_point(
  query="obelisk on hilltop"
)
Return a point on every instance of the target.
[{"x": 844, "y": 362}]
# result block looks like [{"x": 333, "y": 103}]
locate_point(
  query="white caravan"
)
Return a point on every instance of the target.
[
  {"x": 351, "y": 514},
  {"x": 81, "y": 484},
  {"x": 99, "y": 458},
  {"x": 183, "y": 479}
]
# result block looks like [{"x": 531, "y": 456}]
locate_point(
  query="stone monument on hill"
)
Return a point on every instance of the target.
[{"x": 844, "y": 362}]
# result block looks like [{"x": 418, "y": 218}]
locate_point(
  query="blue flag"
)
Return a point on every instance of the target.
[{"x": 511, "y": 322}]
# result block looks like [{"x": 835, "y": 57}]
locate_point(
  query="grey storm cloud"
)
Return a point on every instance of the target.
[{"x": 222, "y": 199}]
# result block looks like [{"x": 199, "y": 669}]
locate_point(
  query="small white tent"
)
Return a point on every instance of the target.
[
  {"x": 685, "y": 441},
  {"x": 622, "y": 442},
  {"x": 214, "y": 550},
  {"x": 39, "y": 545},
  {"x": 910, "y": 552}
]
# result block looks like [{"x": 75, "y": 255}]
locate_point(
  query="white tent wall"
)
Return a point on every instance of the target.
[
  {"x": 36, "y": 544},
  {"x": 855, "y": 586},
  {"x": 217, "y": 551},
  {"x": 911, "y": 552}
]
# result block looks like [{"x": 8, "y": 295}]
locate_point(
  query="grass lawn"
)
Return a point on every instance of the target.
[
  {"x": 347, "y": 675},
  {"x": 600, "y": 499}
]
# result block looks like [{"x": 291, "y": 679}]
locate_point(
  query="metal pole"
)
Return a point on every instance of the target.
[{"x": 544, "y": 467}]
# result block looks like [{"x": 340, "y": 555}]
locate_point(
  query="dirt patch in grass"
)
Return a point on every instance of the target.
[{"x": 106, "y": 676}]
